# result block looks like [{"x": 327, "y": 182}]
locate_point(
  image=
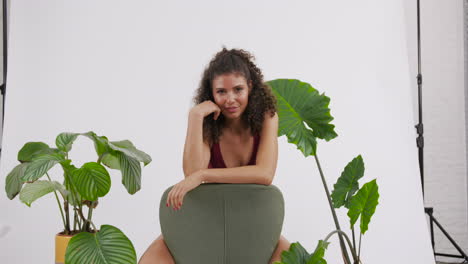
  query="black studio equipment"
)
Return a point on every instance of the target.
[{"x": 420, "y": 143}]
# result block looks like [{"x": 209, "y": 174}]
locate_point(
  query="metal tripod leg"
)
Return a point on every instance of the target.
[{"x": 429, "y": 211}]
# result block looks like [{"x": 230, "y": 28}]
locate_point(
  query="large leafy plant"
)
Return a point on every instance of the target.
[
  {"x": 81, "y": 188},
  {"x": 304, "y": 117}
]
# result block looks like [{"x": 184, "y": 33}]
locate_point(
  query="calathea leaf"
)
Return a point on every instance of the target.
[
  {"x": 13, "y": 182},
  {"x": 109, "y": 245},
  {"x": 64, "y": 141},
  {"x": 32, "y": 149},
  {"x": 130, "y": 150},
  {"x": 101, "y": 144},
  {"x": 37, "y": 189},
  {"x": 347, "y": 183},
  {"x": 111, "y": 160},
  {"x": 40, "y": 165},
  {"x": 299, "y": 106},
  {"x": 92, "y": 181},
  {"x": 131, "y": 172},
  {"x": 363, "y": 205}
]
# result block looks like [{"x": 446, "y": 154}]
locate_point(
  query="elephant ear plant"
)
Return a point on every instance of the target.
[
  {"x": 81, "y": 188},
  {"x": 304, "y": 117}
]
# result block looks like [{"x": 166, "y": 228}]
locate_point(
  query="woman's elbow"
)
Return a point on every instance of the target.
[{"x": 268, "y": 179}]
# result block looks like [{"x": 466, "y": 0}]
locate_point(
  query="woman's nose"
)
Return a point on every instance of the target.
[{"x": 231, "y": 97}]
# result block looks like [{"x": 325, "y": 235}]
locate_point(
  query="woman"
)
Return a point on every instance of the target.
[{"x": 231, "y": 136}]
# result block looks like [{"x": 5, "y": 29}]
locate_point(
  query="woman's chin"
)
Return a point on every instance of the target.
[{"x": 231, "y": 116}]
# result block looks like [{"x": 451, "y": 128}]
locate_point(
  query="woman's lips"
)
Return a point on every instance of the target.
[{"x": 231, "y": 109}]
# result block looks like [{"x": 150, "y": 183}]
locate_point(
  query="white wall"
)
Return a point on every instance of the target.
[
  {"x": 129, "y": 71},
  {"x": 443, "y": 114}
]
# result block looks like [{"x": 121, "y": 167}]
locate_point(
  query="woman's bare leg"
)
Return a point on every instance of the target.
[
  {"x": 157, "y": 253},
  {"x": 283, "y": 244}
]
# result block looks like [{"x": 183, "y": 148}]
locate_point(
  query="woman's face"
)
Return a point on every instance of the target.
[{"x": 231, "y": 94}]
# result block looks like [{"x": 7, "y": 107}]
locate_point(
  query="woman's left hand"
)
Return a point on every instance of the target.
[{"x": 176, "y": 195}]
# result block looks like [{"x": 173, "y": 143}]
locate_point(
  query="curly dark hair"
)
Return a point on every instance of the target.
[{"x": 261, "y": 99}]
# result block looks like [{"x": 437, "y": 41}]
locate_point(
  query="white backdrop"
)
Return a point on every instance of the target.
[{"x": 128, "y": 70}]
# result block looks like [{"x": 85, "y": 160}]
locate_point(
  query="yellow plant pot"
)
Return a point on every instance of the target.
[{"x": 61, "y": 243}]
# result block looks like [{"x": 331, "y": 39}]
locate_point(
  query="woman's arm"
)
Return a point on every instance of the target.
[
  {"x": 264, "y": 170},
  {"x": 196, "y": 151}
]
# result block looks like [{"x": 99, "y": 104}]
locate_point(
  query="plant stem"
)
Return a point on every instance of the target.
[
  {"x": 67, "y": 214},
  {"x": 100, "y": 157},
  {"x": 80, "y": 213},
  {"x": 354, "y": 240},
  {"x": 75, "y": 219},
  {"x": 359, "y": 253},
  {"x": 337, "y": 224},
  {"x": 86, "y": 222},
  {"x": 78, "y": 222},
  {"x": 90, "y": 214},
  {"x": 59, "y": 205},
  {"x": 353, "y": 250}
]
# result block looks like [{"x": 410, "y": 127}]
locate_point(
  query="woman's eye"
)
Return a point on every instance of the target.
[
  {"x": 220, "y": 91},
  {"x": 239, "y": 89}
]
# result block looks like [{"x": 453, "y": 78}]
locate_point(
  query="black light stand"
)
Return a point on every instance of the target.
[
  {"x": 420, "y": 143},
  {"x": 5, "y": 60}
]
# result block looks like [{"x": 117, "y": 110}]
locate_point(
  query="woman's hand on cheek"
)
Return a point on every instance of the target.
[{"x": 176, "y": 195}]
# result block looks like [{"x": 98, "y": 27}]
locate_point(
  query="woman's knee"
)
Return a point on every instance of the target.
[{"x": 157, "y": 253}]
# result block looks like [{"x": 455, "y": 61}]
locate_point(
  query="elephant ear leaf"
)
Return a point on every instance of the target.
[
  {"x": 295, "y": 255},
  {"x": 363, "y": 205},
  {"x": 109, "y": 245},
  {"x": 303, "y": 114},
  {"x": 319, "y": 253},
  {"x": 347, "y": 183}
]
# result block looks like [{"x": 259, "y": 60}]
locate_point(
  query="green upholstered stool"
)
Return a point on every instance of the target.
[{"x": 224, "y": 224}]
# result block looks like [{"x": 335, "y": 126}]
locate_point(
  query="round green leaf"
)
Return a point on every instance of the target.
[
  {"x": 347, "y": 184},
  {"x": 31, "y": 149},
  {"x": 13, "y": 182},
  {"x": 92, "y": 181},
  {"x": 37, "y": 189},
  {"x": 64, "y": 141},
  {"x": 40, "y": 165},
  {"x": 108, "y": 246},
  {"x": 363, "y": 204},
  {"x": 301, "y": 107},
  {"x": 131, "y": 172}
]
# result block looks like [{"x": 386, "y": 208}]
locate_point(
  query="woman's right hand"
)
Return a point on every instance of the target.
[{"x": 206, "y": 108}]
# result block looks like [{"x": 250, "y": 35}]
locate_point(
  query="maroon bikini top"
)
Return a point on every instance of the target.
[{"x": 216, "y": 160}]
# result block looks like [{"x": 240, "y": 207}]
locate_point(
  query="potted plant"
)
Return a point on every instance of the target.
[
  {"x": 304, "y": 116},
  {"x": 80, "y": 241}
]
